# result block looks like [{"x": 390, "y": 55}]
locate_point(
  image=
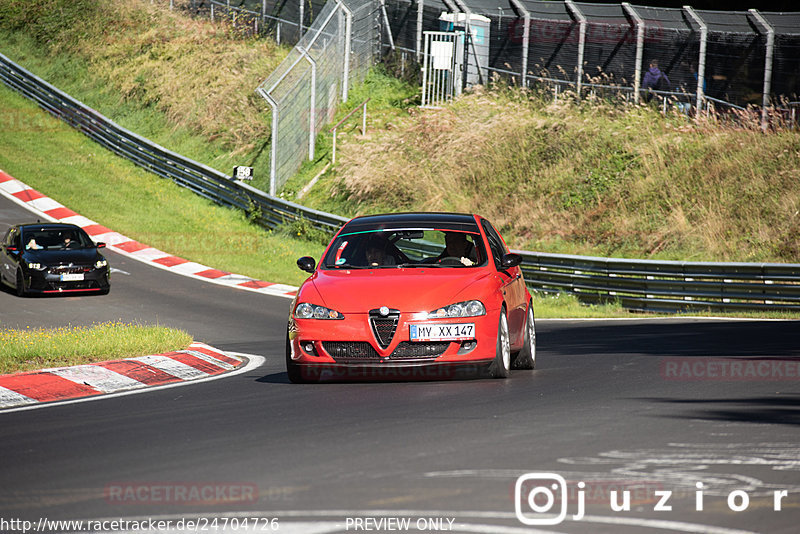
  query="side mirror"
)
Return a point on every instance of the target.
[
  {"x": 100, "y": 245},
  {"x": 510, "y": 260},
  {"x": 307, "y": 264},
  {"x": 11, "y": 249}
]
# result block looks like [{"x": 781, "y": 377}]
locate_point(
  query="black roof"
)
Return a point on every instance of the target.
[
  {"x": 48, "y": 226},
  {"x": 421, "y": 220}
]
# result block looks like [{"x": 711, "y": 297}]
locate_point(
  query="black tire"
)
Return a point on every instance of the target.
[
  {"x": 501, "y": 367},
  {"x": 20, "y": 284},
  {"x": 526, "y": 358}
]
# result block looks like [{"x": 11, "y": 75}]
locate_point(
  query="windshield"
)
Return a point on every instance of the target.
[
  {"x": 56, "y": 239},
  {"x": 406, "y": 248}
]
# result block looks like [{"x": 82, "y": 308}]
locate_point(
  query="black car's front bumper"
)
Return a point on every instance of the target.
[{"x": 72, "y": 279}]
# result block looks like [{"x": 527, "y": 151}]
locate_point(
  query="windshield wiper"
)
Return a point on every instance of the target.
[{"x": 412, "y": 265}]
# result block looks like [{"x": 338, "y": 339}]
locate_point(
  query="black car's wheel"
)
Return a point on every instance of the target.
[
  {"x": 20, "y": 284},
  {"x": 292, "y": 369},
  {"x": 526, "y": 358},
  {"x": 502, "y": 360}
]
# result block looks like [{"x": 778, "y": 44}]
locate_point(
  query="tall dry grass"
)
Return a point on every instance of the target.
[
  {"x": 201, "y": 75},
  {"x": 589, "y": 178}
]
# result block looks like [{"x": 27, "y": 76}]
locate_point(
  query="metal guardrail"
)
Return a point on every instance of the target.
[
  {"x": 636, "y": 284},
  {"x": 266, "y": 210},
  {"x": 666, "y": 285}
]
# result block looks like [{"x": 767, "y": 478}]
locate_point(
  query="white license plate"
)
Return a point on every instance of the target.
[
  {"x": 441, "y": 332},
  {"x": 72, "y": 277}
]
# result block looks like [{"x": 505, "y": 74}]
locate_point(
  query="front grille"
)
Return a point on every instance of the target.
[
  {"x": 384, "y": 326},
  {"x": 343, "y": 351},
  {"x": 69, "y": 269},
  {"x": 407, "y": 350},
  {"x": 350, "y": 350}
]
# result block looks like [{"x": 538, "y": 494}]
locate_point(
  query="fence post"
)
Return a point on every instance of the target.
[
  {"x": 388, "y": 26},
  {"x": 348, "y": 25},
  {"x": 312, "y": 119},
  {"x": 701, "y": 64},
  {"x": 767, "y": 65},
  {"x": 420, "y": 8},
  {"x": 526, "y": 34},
  {"x": 581, "y": 41},
  {"x": 273, "y": 156},
  {"x": 302, "y": 16},
  {"x": 640, "y": 27}
]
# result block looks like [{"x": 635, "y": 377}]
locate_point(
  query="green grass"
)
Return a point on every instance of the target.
[
  {"x": 32, "y": 349},
  {"x": 115, "y": 193},
  {"x": 583, "y": 178}
]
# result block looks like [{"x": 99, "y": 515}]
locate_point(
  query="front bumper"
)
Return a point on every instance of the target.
[
  {"x": 352, "y": 347},
  {"x": 52, "y": 280}
]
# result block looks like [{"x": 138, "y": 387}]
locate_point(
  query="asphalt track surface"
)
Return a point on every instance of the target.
[{"x": 602, "y": 408}]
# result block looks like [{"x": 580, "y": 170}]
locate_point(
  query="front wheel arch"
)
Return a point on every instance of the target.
[{"x": 526, "y": 358}]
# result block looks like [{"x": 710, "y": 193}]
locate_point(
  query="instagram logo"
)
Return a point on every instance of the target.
[{"x": 535, "y": 497}]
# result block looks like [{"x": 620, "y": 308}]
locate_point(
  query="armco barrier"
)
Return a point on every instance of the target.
[
  {"x": 666, "y": 285},
  {"x": 205, "y": 181},
  {"x": 637, "y": 284}
]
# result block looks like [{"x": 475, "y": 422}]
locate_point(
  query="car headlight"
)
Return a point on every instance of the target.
[
  {"x": 305, "y": 310},
  {"x": 37, "y": 266},
  {"x": 100, "y": 264},
  {"x": 469, "y": 308}
]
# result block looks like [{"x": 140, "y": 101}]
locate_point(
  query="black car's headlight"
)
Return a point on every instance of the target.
[
  {"x": 36, "y": 266},
  {"x": 305, "y": 310},
  {"x": 99, "y": 264},
  {"x": 468, "y": 308}
]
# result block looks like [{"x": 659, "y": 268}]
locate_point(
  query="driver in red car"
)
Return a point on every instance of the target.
[
  {"x": 376, "y": 251},
  {"x": 458, "y": 246}
]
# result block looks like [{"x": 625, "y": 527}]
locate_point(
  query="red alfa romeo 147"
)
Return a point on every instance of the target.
[{"x": 411, "y": 295}]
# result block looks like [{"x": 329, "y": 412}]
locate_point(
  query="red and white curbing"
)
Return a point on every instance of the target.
[
  {"x": 63, "y": 383},
  {"x": 53, "y": 211}
]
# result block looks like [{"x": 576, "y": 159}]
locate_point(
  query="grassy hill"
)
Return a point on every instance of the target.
[{"x": 588, "y": 177}]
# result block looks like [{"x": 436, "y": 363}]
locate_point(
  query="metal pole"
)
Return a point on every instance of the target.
[
  {"x": 581, "y": 41},
  {"x": 470, "y": 41},
  {"x": 348, "y": 30},
  {"x": 302, "y": 16},
  {"x": 364, "y": 121},
  {"x": 701, "y": 63},
  {"x": 273, "y": 142},
  {"x": 425, "y": 72},
  {"x": 312, "y": 125},
  {"x": 640, "y": 28},
  {"x": 388, "y": 27},
  {"x": 767, "y": 65},
  {"x": 526, "y": 35},
  {"x": 420, "y": 7}
]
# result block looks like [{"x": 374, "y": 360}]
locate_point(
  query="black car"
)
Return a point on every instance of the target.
[{"x": 52, "y": 258}]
